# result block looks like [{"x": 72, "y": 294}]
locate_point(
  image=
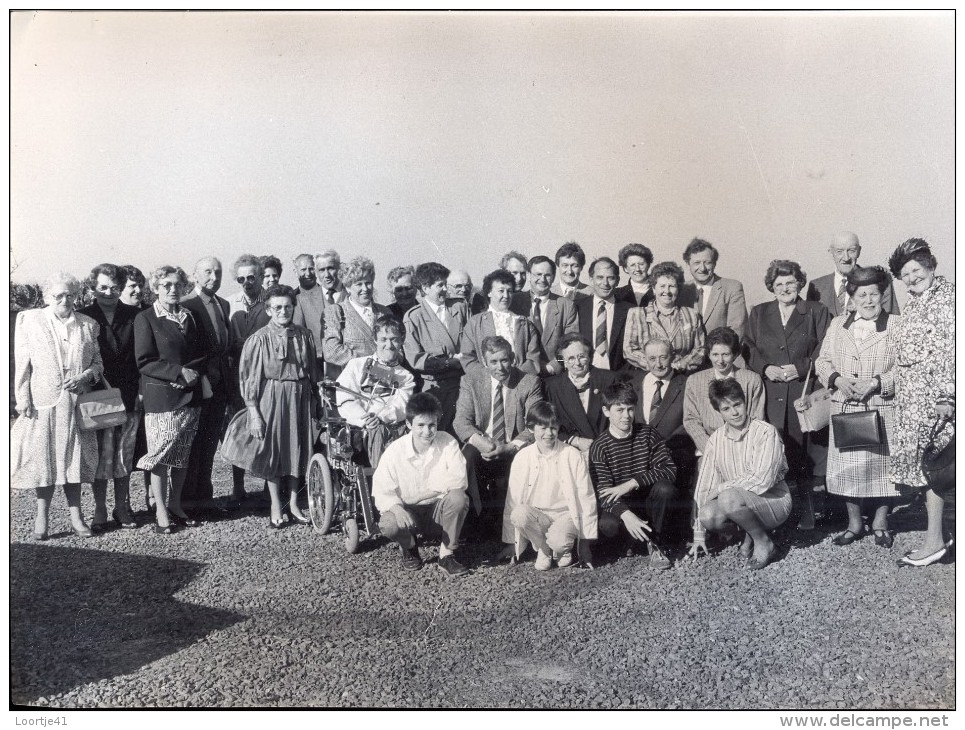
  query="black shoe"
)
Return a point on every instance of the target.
[
  {"x": 411, "y": 560},
  {"x": 452, "y": 566},
  {"x": 167, "y": 530},
  {"x": 847, "y": 537},
  {"x": 185, "y": 521},
  {"x": 276, "y": 525},
  {"x": 129, "y": 525},
  {"x": 300, "y": 520},
  {"x": 883, "y": 538}
]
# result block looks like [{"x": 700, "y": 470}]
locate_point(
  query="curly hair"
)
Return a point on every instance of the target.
[
  {"x": 724, "y": 336},
  {"x": 571, "y": 250},
  {"x": 499, "y": 275},
  {"x": 861, "y": 276},
  {"x": 783, "y": 267},
  {"x": 184, "y": 285},
  {"x": 247, "y": 259},
  {"x": 668, "y": 269},
  {"x": 132, "y": 273},
  {"x": 282, "y": 290},
  {"x": 62, "y": 277},
  {"x": 273, "y": 262},
  {"x": 356, "y": 270},
  {"x": 635, "y": 249},
  {"x": 111, "y": 271},
  {"x": 397, "y": 272}
]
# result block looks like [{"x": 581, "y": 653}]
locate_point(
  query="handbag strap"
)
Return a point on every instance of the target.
[{"x": 807, "y": 378}]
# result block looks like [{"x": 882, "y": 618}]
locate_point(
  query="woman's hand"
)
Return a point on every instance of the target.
[
  {"x": 190, "y": 376},
  {"x": 256, "y": 426},
  {"x": 775, "y": 374},
  {"x": 864, "y": 388},
  {"x": 76, "y": 384},
  {"x": 945, "y": 411},
  {"x": 28, "y": 411},
  {"x": 802, "y": 404},
  {"x": 847, "y": 387}
]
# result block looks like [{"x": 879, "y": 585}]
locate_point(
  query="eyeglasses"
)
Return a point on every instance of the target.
[
  {"x": 251, "y": 279},
  {"x": 167, "y": 284},
  {"x": 107, "y": 289}
]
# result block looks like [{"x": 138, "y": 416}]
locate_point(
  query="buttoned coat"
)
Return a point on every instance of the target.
[
  {"x": 217, "y": 354},
  {"x": 116, "y": 342},
  {"x": 347, "y": 335},
  {"x": 310, "y": 311},
  {"x": 429, "y": 345},
  {"x": 162, "y": 350},
  {"x": 525, "y": 342},
  {"x": 725, "y": 308},
  {"x": 474, "y": 407},
  {"x": 822, "y": 290},
  {"x": 560, "y": 319},
  {"x": 586, "y": 316},
  {"x": 686, "y": 333},
  {"x": 574, "y": 421}
]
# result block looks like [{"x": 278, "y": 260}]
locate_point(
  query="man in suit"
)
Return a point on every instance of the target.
[
  {"x": 434, "y": 330},
  {"x": 460, "y": 287},
  {"x": 635, "y": 260},
  {"x": 829, "y": 289},
  {"x": 576, "y": 393},
  {"x": 719, "y": 302},
  {"x": 570, "y": 260},
  {"x": 554, "y": 316},
  {"x": 328, "y": 266},
  {"x": 491, "y": 423},
  {"x": 602, "y": 318},
  {"x": 310, "y": 306},
  {"x": 210, "y": 313}
]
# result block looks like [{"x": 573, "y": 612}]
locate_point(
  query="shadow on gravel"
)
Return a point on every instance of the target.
[{"x": 80, "y": 616}]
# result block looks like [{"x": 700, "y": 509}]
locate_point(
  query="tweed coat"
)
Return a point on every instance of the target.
[
  {"x": 525, "y": 342},
  {"x": 347, "y": 335},
  {"x": 725, "y": 306},
  {"x": 686, "y": 332},
  {"x": 700, "y": 418},
  {"x": 560, "y": 318},
  {"x": 860, "y": 472}
]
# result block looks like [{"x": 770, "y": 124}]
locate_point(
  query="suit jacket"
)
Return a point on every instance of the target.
[
  {"x": 578, "y": 293},
  {"x": 347, "y": 335},
  {"x": 216, "y": 366},
  {"x": 429, "y": 345},
  {"x": 560, "y": 320},
  {"x": 474, "y": 407},
  {"x": 725, "y": 308},
  {"x": 626, "y": 294},
  {"x": 586, "y": 316},
  {"x": 574, "y": 421},
  {"x": 477, "y": 303},
  {"x": 669, "y": 418},
  {"x": 822, "y": 290},
  {"x": 525, "y": 343},
  {"x": 162, "y": 349},
  {"x": 116, "y": 342},
  {"x": 770, "y": 343},
  {"x": 310, "y": 313},
  {"x": 686, "y": 332}
]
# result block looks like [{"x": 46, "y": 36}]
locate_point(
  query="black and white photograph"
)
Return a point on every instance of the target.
[{"x": 478, "y": 360}]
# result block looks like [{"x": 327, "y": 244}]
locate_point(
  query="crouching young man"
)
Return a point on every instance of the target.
[
  {"x": 420, "y": 485},
  {"x": 551, "y": 502}
]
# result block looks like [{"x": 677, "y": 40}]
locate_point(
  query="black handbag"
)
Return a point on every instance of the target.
[
  {"x": 858, "y": 429},
  {"x": 938, "y": 463}
]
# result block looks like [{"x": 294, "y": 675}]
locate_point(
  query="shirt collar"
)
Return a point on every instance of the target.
[
  {"x": 731, "y": 433},
  {"x": 608, "y": 301},
  {"x": 69, "y": 323}
]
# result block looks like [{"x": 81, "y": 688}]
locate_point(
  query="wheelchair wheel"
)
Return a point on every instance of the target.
[
  {"x": 350, "y": 527},
  {"x": 321, "y": 495}
]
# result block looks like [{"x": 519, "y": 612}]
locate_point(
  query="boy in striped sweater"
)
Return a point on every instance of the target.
[{"x": 633, "y": 474}]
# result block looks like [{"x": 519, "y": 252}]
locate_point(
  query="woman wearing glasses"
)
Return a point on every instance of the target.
[{"x": 115, "y": 446}]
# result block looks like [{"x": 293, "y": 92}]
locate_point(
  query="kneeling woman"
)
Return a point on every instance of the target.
[
  {"x": 272, "y": 438},
  {"x": 741, "y": 477},
  {"x": 551, "y": 501}
]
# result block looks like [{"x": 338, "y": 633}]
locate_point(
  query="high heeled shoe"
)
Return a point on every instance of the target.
[
  {"x": 884, "y": 538},
  {"x": 85, "y": 532},
  {"x": 166, "y": 530},
  {"x": 131, "y": 524},
  {"x": 301, "y": 520},
  {"x": 184, "y": 521},
  {"x": 276, "y": 525},
  {"x": 925, "y": 561},
  {"x": 41, "y": 536}
]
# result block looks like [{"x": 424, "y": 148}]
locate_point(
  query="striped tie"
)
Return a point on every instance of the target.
[
  {"x": 499, "y": 417},
  {"x": 655, "y": 403},
  {"x": 599, "y": 342}
]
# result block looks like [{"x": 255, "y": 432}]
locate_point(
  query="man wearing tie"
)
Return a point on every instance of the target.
[
  {"x": 210, "y": 312},
  {"x": 829, "y": 289},
  {"x": 554, "y": 316},
  {"x": 570, "y": 261},
  {"x": 602, "y": 318},
  {"x": 310, "y": 309},
  {"x": 328, "y": 267},
  {"x": 718, "y": 301}
]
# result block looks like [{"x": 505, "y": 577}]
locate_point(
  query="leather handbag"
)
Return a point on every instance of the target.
[
  {"x": 858, "y": 429},
  {"x": 817, "y": 414},
  {"x": 938, "y": 462},
  {"x": 100, "y": 409}
]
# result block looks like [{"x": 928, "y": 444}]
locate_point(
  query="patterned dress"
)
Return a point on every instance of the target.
[{"x": 924, "y": 372}]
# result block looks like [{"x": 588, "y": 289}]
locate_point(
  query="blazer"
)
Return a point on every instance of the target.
[
  {"x": 726, "y": 306},
  {"x": 217, "y": 366},
  {"x": 116, "y": 342},
  {"x": 560, "y": 320},
  {"x": 347, "y": 335},
  {"x": 822, "y": 290},
  {"x": 310, "y": 312},
  {"x": 626, "y": 294},
  {"x": 38, "y": 372},
  {"x": 686, "y": 332},
  {"x": 474, "y": 407},
  {"x": 668, "y": 421},
  {"x": 525, "y": 342},
  {"x": 700, "y": 418},
  {"x": 574, "y": 421},
  {"x": 585, "y": 315},
  {"x": 798, "y": 344},
  {"x": 162, "y": 350},
  {"x": 429, "y": 345}
]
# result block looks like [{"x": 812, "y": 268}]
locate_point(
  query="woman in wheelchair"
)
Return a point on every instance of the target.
[
  {"x": 373, "y": 391},
  {"x": 272, "y": 437}
]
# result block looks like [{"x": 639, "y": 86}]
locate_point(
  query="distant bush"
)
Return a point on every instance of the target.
[{"x": 25, "y": 296}]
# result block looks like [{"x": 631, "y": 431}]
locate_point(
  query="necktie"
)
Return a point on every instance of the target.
[
  {"x": 700, "y": 300},
  {"x": 657, "y": 398},
  {"x": 599, "y": 341},
  {"x": 330, "y": 296},
  {"x": 537, "y": 315},
  {"x": 842, "y": 299},
  {"x": 499, "y": 418},
  {"x": 369, "y": 317},
  {"x": 218, "y": 321},
  {"x": 441, "y": 314}
]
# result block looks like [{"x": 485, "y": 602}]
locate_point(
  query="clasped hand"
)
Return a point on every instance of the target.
[
  {"x": 75, "y": 384},
  {"x": 855, "y": 388}
]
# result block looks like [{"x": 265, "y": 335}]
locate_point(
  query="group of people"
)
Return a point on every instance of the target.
[{"x": 544, "y": 410}]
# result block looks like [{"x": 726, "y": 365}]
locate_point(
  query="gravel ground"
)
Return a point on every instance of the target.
[{"x": 233, "y": 614}]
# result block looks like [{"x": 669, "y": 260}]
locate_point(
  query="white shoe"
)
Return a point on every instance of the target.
[
  {"x": 544, "y": 561},
  {"x": 566, "y": 560}
]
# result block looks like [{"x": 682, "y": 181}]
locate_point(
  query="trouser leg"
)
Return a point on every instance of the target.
[
  {"x": 389, "y": 526},
  {"x": 532, "y": 524},
  {"x": 562, "y": 535},
  {"x": 449, "y": 515}
]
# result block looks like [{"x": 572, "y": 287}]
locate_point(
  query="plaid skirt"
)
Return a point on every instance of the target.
[
  {"x": 859, "y": 473},
  {"x": 169, "y": 437}
]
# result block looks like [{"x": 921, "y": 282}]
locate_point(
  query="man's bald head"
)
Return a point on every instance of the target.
[
  {"x": 207, "y": 275},
  {"x": 845, "y": 251},
  {"x": 459, "y": 284}
]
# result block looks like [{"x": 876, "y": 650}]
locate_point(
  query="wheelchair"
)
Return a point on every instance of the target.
[{"x": 339, "y": 479}]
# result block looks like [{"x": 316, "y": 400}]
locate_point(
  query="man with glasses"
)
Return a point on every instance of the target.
[
  {"x": 829, "y": 289},
  {"x": 310, "y": 307},
  {"x": 460, "y": 287}
]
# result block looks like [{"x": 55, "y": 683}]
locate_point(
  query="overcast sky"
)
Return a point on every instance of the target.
[{"x": 158, "y": 137}]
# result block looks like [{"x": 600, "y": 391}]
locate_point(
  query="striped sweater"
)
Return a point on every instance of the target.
[{"x": 641, "y": 456}]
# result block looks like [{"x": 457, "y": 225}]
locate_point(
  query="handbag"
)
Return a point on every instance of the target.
[
  {"x": 100, "y": 409},
  {"x": 938, "y": 463},
  {"x": 818, "y": 413},
  {"x": 858, "y": 429}
]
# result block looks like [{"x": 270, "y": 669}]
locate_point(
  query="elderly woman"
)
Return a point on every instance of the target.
[
  {"x": 170, "y": 353},
  {"x": 856, "y": 363},
  {"x": 701, "y": 419},
  {"x": 115, "y": 445},
  {"x": 402, "y": 290},
  {"x": 924, "y": 385},
  {"x": 784, "y": 338},
  {"x": 348, "y": 326},
  {"x": 57, "y": 359},
  {"x": 272, "y": 438},
  {"x": 635, "y": 260},
  {"x": 499, "y": 320},
  {"x": 271, "y": 268},
  {"x": 665, "y": 319},
  {"x": 741, "y": 478}
]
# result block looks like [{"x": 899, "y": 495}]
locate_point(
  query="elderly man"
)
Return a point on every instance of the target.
[
  {"x": 719, "y": 301},
  {"x": 576, "y": 393},
  {"x": 491, "y": 422},
  {"x": 210, "y": 312},
  {"x": 515, "y": 263},
  {"x": 327, "y": 268},
  {"x": 553, "y": 315},
  {"x": 460, "y": 287},
  {"x": 829, "y": 289},
  {"x": 310, "y": 307},
  {"x": 570, "y": 261},
  {"x": 602, "y": 317}
]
